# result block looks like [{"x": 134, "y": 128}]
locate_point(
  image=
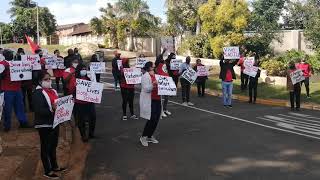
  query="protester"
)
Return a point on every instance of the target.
[
  {"x": 185, "y": 84},
  {"x": 69, "y": 58},
  {"x": 253, "y": 86},
  {"x": 307, "y": 72},
  {"x": 172, "y": 73},
  {"x": 44, "y": 102},
  {"x": 94, "y": 58},
  {"x": 58, "y": 73},
  {"x": 294, "y": 89},
  {"x": 201, "y": 80},
  {"x": 227, "y": 75},
  {"x": 150, "y": 104},
  {"x": 244, "y": 77},
  {"x": 36, "y": 73},
  {"x": 77, "y": 55},
  {"x": 20, "y": 52},
  {"x": 116, "y": 70},
  {"x": 13, "y": 98},
  {"x": 69, "y": 77}
]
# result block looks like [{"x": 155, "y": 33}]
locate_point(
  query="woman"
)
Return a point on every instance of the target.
[
  {"x": 172, "y": 73},
  {"x": 201, "y": 80},
  {"x": 150, "y": 105},
  {"x": 127, "y": 93},
  {"x": 294, "y": 89},
  {"x": 253, "y": 86},
  {"x": 58, "y": 73},
  {"x": 44, "y": 98},
  {"x": 94, "y": 58}
]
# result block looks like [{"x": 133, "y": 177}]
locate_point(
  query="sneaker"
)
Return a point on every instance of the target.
[
  {"x": 230, "y": 106},
  {"x": 51, "y": 175},
  {"x": 190, "y": 104},
  {"x": 124, "y": 118},
  {"x": 60, "y": 170},
  {"x": 163, "y": 115},
  {"x": 185, "y": 104},
  {"x": 144, "y": 141},
  {"x": 134, "y": 117},
  {"x": 167, "y": 112},
  {"x": 152, "y": 140}
]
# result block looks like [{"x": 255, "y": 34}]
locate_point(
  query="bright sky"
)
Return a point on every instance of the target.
[{"x": 74, "y": 11}]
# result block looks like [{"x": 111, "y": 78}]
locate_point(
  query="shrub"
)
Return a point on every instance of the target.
[
  {"x": 315, "y": 61},
  {"x": 198, "y": 45}
]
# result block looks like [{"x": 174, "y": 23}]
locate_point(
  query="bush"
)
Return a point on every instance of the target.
[
  {"x": 198, "y": 45},
  {"x": 315, "y": 61},
  {"x": 257, "y": 45}
]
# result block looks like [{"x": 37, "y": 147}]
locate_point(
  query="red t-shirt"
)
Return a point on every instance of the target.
[
  {"x": 154, "y": 93},
  {"x": 6, "y": 83},
  {"x": 162, "y": 69},
  {"x": 241, "y": 63},
  {"x": 123, "y": 82},
  {"x": 52, "y": 95},
  {"x": 228, "y": 76},
  {"x": 306, "y": 69},
  {"x": 71, "y": 86}
]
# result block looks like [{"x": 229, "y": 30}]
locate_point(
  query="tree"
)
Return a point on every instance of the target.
[
  {"x": 312, "y": 26},
  {"x": 7, "y": 35},
  {"x": 295, "y": 18},
  {"x": 18, "y": 4}
]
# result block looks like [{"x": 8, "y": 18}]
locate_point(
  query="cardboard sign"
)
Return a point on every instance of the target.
[
  {"x": 98, "y": 67},
  {"x": 202, "y": 71},
  {"x": 92, "y": 76},
  {"x": 64, "y": 110},
  {"x": 1, "y": 104},
  {"x": 166, "y": 86},
  {"x": 190, "y": 75},
  {"x": 175, "y": 64},
  {"x": 231, "y": 53},
  {"x": 60, "y": 63},
  {"x": 20, "y": 71},
  {"x": 140, "y": 62},
  {"x": 33, "y": 59},
  {"x": 132, "y": 75},
  {"x": 297, "y": 76},
  {"x": 250, "y": 69},
  {"x": 89, "y": 91},
  {"x": 51, "y": 62},
  {"x": 119, "y": 62}
]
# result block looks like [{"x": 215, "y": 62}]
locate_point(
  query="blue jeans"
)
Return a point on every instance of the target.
[
  {"x": 13, "y": 99},
  {"x": 227, "y": 92}
]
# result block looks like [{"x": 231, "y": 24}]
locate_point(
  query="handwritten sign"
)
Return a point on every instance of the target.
[
  {"x": 132, "y": 75},
  {"x": 89, "y": 91},
  {"x": 51, "y": 62},
  {"x": 20, "y": 71},
  {"x": 33, "y": 59},
  {"x": 64, "y": 110},
  {"x": 60, "y": 63},
  {"x": 166, "y": 86},
  {"x": 98, "y": 67},
  {"x": 140, "y": 62},
  {"x": 175, "y": 64},
  {"x": 190, "y": 75},
  {"x": 250, "y": 69},
  {"x": 297, "y": 76},
  {"x": 231, "y": 53},
  {"x": 119, "y": 62},
  {"x": 202, "y": 71}
]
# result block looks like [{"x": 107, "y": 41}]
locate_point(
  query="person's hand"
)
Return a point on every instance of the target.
[{"x": 54, "y": 106}]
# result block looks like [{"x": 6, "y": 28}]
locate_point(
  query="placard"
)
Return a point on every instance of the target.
[
  {"x": 33, "y": 59},
  {"x": 190, "y": 75},
  {"x": 297, "y": 76},
  {"x": 175, "y": 64},
  {"x": 249, "y": 68},
  {"x": 51, "y": 62},
  {"x": 20, "y": 71},
  {"x": 64, "y": 110},
  {"x": 166, "y": 86},
  {"x": 202, "y": 71},
  {"x": 60, "y": 63},
  {"x": 119, "y": 62},
  {"x": 231, "y": 52},
  {"x": 89, "y": 91},
  {"x": 140, "y": 62},
  {"x": 98, "y": 67},
  {"x": 132, "y": 75}
]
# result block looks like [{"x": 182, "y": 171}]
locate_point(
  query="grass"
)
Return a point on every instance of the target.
[{"x": 50, "y": 48}]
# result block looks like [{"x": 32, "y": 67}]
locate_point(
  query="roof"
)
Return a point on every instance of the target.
[
  {"x": 82, "y": 29},
  {"x": 68, "y": 26}
]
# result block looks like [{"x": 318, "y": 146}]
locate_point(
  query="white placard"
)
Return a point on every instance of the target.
[
  {"x": 166, "y": 86},
  {"x": 119, "y": 62},
  {"x": 92, "y": 76},
  {"x": 140, "y": 62},
  {"x": 89, "y": 91},
  {"x": 202, "y": 71},
  {"x": 297, "y": 76},
  {"x": 190, "y": 75},
  {"x": 231, "y": 52},
  {"x": 20, "y": 71},
  {"x": 33, "y": 59},
  {"x": 51, "y": 62},
  {"x": 98, "y": 67},
  {"x": 175, "y": 64},
  {"x": 249, "y": 68},
  {"x": 60, "y": 63},
  {"x": 64, "y": 110},
  {"x": 132, "y": 75}
]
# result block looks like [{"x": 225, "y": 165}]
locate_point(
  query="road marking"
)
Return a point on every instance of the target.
[
  {"x": 288, "y": 122},
  {"x": 304, "y": 115},
  {"x": 304, "y": 119}
]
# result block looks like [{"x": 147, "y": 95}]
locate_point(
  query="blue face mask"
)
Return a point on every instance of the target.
[{"x": 83, "y": 73}]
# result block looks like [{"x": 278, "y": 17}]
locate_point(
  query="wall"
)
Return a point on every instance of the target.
[{"x": 71, "y": 40}]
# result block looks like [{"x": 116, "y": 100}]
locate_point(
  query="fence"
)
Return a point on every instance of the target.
[{"x": 71, "y": 40}]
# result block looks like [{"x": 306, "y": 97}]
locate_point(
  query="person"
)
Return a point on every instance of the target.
[
  {"x": 69, "y": 58},
  {"x": 150, "y": 105},
  {"x": 116, "y": 70},
  {"x": 185, "y": 84},
  {"x": 161, "y": 69},
  {"x": 244, "y": 77},
  {"x": 294, "y": 89},
  {"x": 172, "y": 73},
  {"x": 227, "y": 75},
  {"x": 201, "y": 80},
  {"x": 307, "y": 72},
  {"x": 20, "y": 52},
  {"x": 77, "y": 55},
  {"x": 58, "y": 73},
  {"x": 253, "y": 86},
  {"x": 127, "y": 92},
  {"x": 36, "y": 73},
  {"x": 13, "y": 98},
  {"x": 94, "y": 58},
  {"x": 44, "y": 98},
  {"x": 69, "y": 77}
]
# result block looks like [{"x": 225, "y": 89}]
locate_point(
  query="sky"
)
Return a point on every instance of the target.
[{"x": 75, "y": 11}]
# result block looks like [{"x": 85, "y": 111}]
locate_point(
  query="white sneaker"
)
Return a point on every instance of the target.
[
  {"x": 190, "y": 104},
  {"x": 163, "y": 115},
  {"x": 124, "y": 118},
  {"x": 167, "y": 112},
  {"x": 152, "y": 140},
  {"x": 134, "y": 117},
  {"x": 144, "y": 141},
  {"x": 185, "y": 104}
]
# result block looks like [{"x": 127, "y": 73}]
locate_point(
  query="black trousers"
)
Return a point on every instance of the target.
[
  {"x": 185, "y": 88},
  {"x": 58, "y": 79},
  {"x": 253, "y": 87},
  {"x": 98, "y": 77},
  {"x": 295, "y": 96},
  {"x": 27, "y": 94},
  {"x": 244, "y": 81},
  {"x": 127, "y": 98},
  {"x": 201, "y": 85},
  {"x": 85, "y": 113},
  {"x": 176, "y": 80},
  {"x": 49, "y": 142},
  {"x": 306, "y": 83},
  {"x": 152, "y": 124}
]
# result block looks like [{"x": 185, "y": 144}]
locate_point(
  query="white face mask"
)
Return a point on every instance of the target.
[
  {"x": 46, "y": 84},
  {"x": 83, "y": 72},
  {"x": 75, "y": 65}
]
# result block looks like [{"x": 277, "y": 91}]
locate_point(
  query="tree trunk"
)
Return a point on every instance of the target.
[
  {"x": 174, "y": 44},
  {"x": 198, "y": 30},
  {"x": 131, "y": 42}
]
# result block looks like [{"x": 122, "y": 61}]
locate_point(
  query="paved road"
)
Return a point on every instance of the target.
[{"x": 207, "y": 142}]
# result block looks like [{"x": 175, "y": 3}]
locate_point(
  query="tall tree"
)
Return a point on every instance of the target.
[
  {"x": 295, "y": 17},
  {"x": 312, "y": 26},
  {"x": 7, "y": 35},
  {"x": 17, "y": 4}
]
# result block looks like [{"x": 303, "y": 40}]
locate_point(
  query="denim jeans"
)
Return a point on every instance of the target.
[
  {"x": 227, "y": 92},
  {"x": 13, "y": 100}
]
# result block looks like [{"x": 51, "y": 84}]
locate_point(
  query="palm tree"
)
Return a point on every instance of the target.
[{"x": 16, "y": 4}]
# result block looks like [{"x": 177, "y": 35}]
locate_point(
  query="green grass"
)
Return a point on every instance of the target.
[{"x": 50, "y": 48}]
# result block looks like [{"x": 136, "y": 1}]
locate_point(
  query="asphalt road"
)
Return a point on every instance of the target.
[{"x": 206, "y": 142}]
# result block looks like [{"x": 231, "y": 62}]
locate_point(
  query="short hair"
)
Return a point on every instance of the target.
[{"x": 147, "y": 66}]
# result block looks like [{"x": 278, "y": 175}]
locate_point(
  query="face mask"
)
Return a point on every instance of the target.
[
  {"x": 83, "y": 72},
  {"x": 75, "y": 65},
  {"x": 46, "y": 84}
]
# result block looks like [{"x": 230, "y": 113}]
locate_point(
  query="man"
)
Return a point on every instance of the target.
[
  {"x": 307, "y": 72},
  {"x": 77, "y": 55},
  {"x": 116, "y": 70},
  {"x": 185, "y": 84},
  {"x": 68, "y": 59},
  {"x": 20, "y": 52}
]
